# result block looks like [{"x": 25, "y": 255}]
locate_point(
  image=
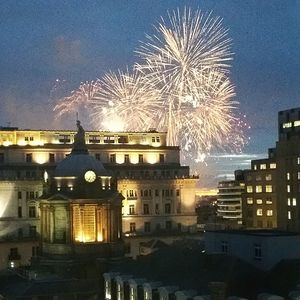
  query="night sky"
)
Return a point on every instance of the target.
[{"x": 74, "y": 41}]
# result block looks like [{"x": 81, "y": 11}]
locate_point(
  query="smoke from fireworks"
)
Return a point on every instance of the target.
[{"x": 180, "y": 86}]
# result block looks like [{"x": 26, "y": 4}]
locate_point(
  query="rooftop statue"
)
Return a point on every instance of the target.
[{"x": 79, "y": 146}]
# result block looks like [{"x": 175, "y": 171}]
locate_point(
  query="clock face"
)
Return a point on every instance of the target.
[{"x": 90, "y": 176}]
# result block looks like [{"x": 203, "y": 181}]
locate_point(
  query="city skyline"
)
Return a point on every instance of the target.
[{"x": 79, "y": 41}]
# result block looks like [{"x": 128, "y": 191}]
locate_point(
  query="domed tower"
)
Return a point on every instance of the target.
[{"x": 81, "y": 210}]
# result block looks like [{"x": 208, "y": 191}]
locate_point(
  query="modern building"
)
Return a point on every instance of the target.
[
  {"x": 229, "y": 203},
  {"x": 273, "y": 184}
]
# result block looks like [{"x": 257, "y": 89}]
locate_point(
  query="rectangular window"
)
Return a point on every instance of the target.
[
  {"x": 153, "y": 139},
  {"x": 132, "y": 227},
  {"x": 32, "y": 231},
  {"x": 249, "y": 200},
  {"x": 257, "y": 252},
  {"x": 146, "y": 209},
  {"x": 249, "y": 189},
  {"x": 269, "y": 212},
  {"x": 147, "y": 227},
  {"x": 1, "y": 157},
  {"x": 258, "y": 178},
  {"x": 131, "y": 209},
  {"x": 98, "y": 156},
  {"x": 112, "y": 158},
  {"x": 29, "y": 157},
  {"x": 126, "y": 158},
  {"x": 224, "y": 246},
  {"x": 269, "y": 201},
  {"x": 19, "y": 195},
  {"x": 289, "y": 201},
  {"x": 268, "y": 177},
  {"x": 157, "y": 208},
  {"x": 259, "y": 201},
  {"x": 94, "y": 139},
  {"x": 298, "y": 175},
  {"x": 51, "y": 157},
  {"x": 258, "y": 189},
  {"x": 288, "y": 188},
  {"x": 161, "y": 158},
  {"x": 288, "y": 176},
  {"x": 177, "y": 193},
  {"x": 289, "y": 215},
  {"x": 259, "y": 212},
  {"x": 19, "y": 211},
  {"x": 32, "y": 212},
  {"x": 273, "y": 166},
  {"x": 298, "y": 160},
  {"x": 156, "y": 193},
  {"x": 167, "y": 208},
  {"x": 269, "y": 189},
  {"x": 294, "y": 202},
  {"x": 263, "y": 166},
  {"x": 141, "y": 158},
  {"x": 168, "y": 225}
]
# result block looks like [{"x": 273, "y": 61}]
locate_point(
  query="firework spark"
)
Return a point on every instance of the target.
[
  {"x": 186, "y": 46},
  {"x": 79, "y": 99},
  {"x": 126, "y": 100}
]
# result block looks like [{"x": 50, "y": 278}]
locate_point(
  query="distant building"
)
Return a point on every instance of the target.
[
  {"x": 272, "y": 195},
  {"x": 262, "y": 249},
  {"x": 229, "y": 203}
]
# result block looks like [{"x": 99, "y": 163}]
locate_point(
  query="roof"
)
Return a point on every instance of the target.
[{"x": 258, "y": 232}]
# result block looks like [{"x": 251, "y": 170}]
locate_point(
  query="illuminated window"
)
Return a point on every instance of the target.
[
  {"x": 298, "y": 160},
  {"x": 289, "y": 201},
  {"x": 297, "y": 123},
  {"x": 255, "y": 167},
  {"x": 268, "y": 177},
  {"x": 273, "y": 166},
  {"x": 263, "y": 166},
  {"x": 259, "y": 212},
  {"x": 269, "y": 189},
  {"x": 259, "y": 201},
  {"x": 258, "y": 189},
  {"x": 249, "y": 200},
  {"x": 249, "y": 189},
  {"x": 269, "y": 212},
  {"x": 294, "y": 201},
  {"x": 107, "y": 290},
  {"x": 298, "y": 175},
  {"x": 287, "y": 125},
  {"x": 269, "y": 201},
  {"x": 288, "y": 176},
  {"x": 289, "y": 215},
  {"x": 288, "y": 188}
]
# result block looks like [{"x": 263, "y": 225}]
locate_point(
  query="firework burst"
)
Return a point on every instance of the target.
[
  {"x": 125, "y": 100},
  {"x": 78, "y": 99}
]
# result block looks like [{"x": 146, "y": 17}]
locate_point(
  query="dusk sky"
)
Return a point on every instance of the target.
[{"x": 41, "y": 41}]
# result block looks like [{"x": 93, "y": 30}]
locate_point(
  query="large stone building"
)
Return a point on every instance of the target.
[
  {"x": 272, "y": 195},
  {"x": 159, "y": 193}
]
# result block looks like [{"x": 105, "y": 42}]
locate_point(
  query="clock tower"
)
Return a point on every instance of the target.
[{"x": 81, "y": 208}]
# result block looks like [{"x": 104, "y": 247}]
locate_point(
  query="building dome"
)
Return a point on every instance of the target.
[
  {"x": 79, "y": 161},
  {"x": 77, "y": 164}
]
